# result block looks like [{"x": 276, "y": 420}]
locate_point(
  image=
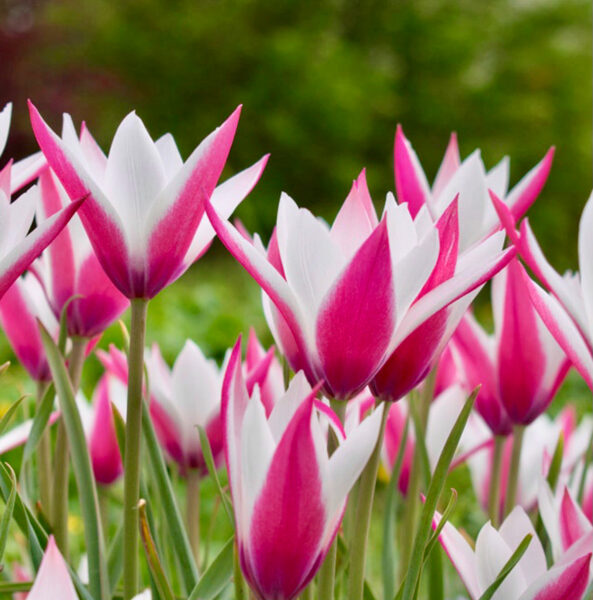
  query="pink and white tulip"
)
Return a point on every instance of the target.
[
  {"x": 530, "y": 579},
  {"x": 23, "y": 304},
  {"x": 144, "y": 214},
  {"x": 470, "y": 182},
  {"x": 288, "y": 495},
  {"x": 70, "y": 272},
  {"x": 521, "y": 366},
  {"x": 183, "y": 398},
  {"x": 19, "y": 434},
  {"x": 325, "y": 283}
]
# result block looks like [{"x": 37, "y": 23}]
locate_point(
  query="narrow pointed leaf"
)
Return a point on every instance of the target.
[
  {"x": 432, "y": 497},
  {"x": 217, "y": 576},
  {"x": 83, "y": 472},
  {"x": 444, "y": 518},
  {"x": 115, "y": 557},
  {"x": 7, "y": 417},
  {"x": 7, "y": 514},
  {"x": 40, "y": 421},
  {"x": 508, "y": 567}
]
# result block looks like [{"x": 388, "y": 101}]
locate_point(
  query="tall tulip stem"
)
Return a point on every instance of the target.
[
  {"x": 192, "y": 508},
  {"x": 132, "y": 453},
  {"x": 59, "y": 501},
  {"x": 360, "y": 533},
  {"x": 494, "y": 491},
  {"x": 44, "y": 458},
  {"x": 511, "y": 495}
]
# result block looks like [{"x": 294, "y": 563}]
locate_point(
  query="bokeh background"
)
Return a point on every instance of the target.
[{"x": 323, "y": 85}]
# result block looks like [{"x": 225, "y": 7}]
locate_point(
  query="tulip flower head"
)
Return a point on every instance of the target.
[
  {"x": 144, "y": 216},
  {"x": 469, "y": 181},
  {"x": 288, "y": 495},
  {"x": 342, "y": 299},
  {"x": 70, "y": 272},
  {"x": 530, "y": 579}
]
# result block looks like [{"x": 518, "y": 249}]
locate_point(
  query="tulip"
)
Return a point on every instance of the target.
[
  {"x": 18, "y": 435},
  {"x": 530, "y": 579},
  {"x": 568, "y": 528},
  {"x": 70, "y": 272},
  {"x": 144, "y": 216},
  {"x": 567, "y": 308},
  {"x": 325, "y": 284},
  {"x": 288, "y": 495},
  {"x": 468, "y": 180},
  {"x": 23, "y": 304}
]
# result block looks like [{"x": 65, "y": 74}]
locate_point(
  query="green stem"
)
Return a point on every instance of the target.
[
  {"x": 307, "y": 593},
  {"x": 192, "y": 511},
  {"x": 364, "y": 507},
  {"x": 238, "y": 581},
  {"x": 132, "y": 453},
  {"x": 103, "y": 494},
  {"x": 59, "y": 501},
  {"x": 494, "y": 492},
  {"x": 327, "y": 573},
  {"x": 44, "y": 458},
  {"x": 513, "y": 480}
]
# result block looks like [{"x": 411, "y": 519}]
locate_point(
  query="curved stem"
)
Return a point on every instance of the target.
[
  {"x": 511, "y": 495},
  {"x": 132, "y": 453},
  {"x": 44, "y": 459},
  {"x": 494, "y": 491},
  {"x": 364, "y": 507},
  {"x": 59, "y": 501},
  {"x": 192, "y": 511}
]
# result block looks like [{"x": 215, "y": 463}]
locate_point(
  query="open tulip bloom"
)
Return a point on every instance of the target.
[
  {"x": 144, "y": 216},
  {"x": 344, "y": 298},
  {"x": 530, "y": 579},
  {"x": 288, "y": 495}
]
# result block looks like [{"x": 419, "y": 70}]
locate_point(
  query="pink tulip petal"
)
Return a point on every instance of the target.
[
  {"x": 573, "y": 523},
  {"x": 175, "y": 215},
  {"x": 53, "y": 579},
  {"x": 356, "y": 317},
  {"x": 167, "y": 432},
  {"x": 289, "y": 515},
  {"x": 410, "y": 182},
  {"x": 449, "y": 166},
  {"x": 26, "y": 170},
  {"x": 561, "y": 583}
]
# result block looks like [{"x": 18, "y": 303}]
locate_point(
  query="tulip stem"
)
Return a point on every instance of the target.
[
  {"x": 511, "y": 495},
  {"x": 44, "y": 458},
  {"x": 494, "y": 491},
  {"x": 360, "y": 533},
  {"x": 103, "y": 496},
  {"x": 132, "y": 452},
  {"x": 327, "y": 573},
  {"x": 238, "y": 581},
  {"x": 192, "y": 511},
  {"x": 59, "y": 501}
]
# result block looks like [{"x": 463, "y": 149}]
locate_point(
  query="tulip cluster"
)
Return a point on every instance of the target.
[{"x": 382, "y": 358}]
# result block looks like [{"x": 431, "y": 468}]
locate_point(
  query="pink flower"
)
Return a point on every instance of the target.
[
  {"x": 530, "y": 579},
  {"x": 144, "y": 215},
  {"x": 53, "y": 579},
  {"x": 288, "y": 495},
  {"x": 521, "y": 366},
  {"x": 21, "y": 306},
  {"x": 70, "y": 268},
  {"x": 343, "y": 299},
  {"x": 469, "y": 181}
]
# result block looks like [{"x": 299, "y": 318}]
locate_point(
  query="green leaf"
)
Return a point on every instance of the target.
[
  {"x": 444, "y": 518},
  {"x": 508, "y": 567},
  {"x": 14, "y": 587},
  {"x": 152, "y": 557},
  {"x": 209, "y": 459},
  {"x": 81, "y": 464},
  {"x": 432, "y": 497},
  {"x": 9, "y": 414},
  {"x": 115, "y": 563},
  {"x": 420, "y": 443},
  {"x": 40, "y": 421},
  {"x": 7, "y": 514},
  {"x": 367, "y": 592},
  {"x": 168, "y": 503},
  {"x": 388, "y": 554},
  {"x": 217, "y": 576},
  {"x": 556, "y": 463},
  {"x": 63, "y": 335}
]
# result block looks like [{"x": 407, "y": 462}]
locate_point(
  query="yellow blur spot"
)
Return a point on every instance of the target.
[
  {"x": 75, "y": 525},
  {"x": 383, "y": 474},
  {"x": 4, "y": 406}
]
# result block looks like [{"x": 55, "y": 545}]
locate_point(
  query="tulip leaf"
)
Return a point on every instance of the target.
[
  {"x": 40, "y": 421},
  {"x": 168, "y": 503},
  {"x": 388, "y": 555},
  {"x": 507, "y": 568},
  {"x": 420, "y": 443},
  {"x": 217, "y": 575},
  {"x": 209, "y": 459},
  {"x": 556, "y": 463},
  {"x": 444, "y": 518},
  {"x": 83, "y": 472},
  {"x": 63, "y": 335},
  {"x": 152, "y": 557},
  {"x": 432, "y": 497},
  {"x": 7, "y": 417},
  {"x": 14, "y": 587},
  {"x": 115, "y": 562},
  {"x": 7, "y": 514}
]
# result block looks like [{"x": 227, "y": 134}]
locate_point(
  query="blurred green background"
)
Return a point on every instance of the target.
[{"x": 323, "y": 86}]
